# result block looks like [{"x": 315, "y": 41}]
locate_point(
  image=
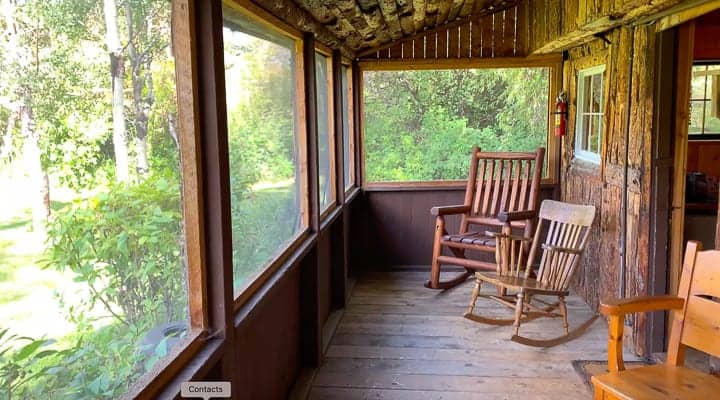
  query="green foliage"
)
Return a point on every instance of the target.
[
  {"x": 420, "y": 125},
  {"x": 125, "y": 244},
  {"x": 265, "y": 193},
  {"x": 24, "y": 360}
]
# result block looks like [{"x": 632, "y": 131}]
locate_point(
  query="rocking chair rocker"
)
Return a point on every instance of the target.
[{"x": 569, "y": 228}]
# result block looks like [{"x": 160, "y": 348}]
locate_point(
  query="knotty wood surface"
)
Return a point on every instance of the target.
[{"x": 398, "y": 340}]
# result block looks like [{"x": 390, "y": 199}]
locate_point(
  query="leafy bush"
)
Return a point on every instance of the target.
[
  {"x": 420, "y": 125},
  {"x": 126, "y": 244},
  {"x": 20, "y": 365}
]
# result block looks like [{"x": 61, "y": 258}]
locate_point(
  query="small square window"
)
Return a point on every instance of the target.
[
  {"x": 705, "y": 102},
  {"x": 590, "y": 113}
]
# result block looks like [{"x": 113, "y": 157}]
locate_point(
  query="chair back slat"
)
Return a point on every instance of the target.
[
  {"x": 568, "y": 228},
  {"x": 487, "y": 188},
  {"x": 478, "y": 186},
  {"x": 506, "y": 183},
  {"x": 523, "y": 200},
  {"x": 512, "y": 205},
  {"x": 496, "y": 188},
  {"x": 698, "y": 323},
  {"x": 503, "y": 181}
]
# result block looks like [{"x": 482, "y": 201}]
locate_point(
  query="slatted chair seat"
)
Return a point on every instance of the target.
[
  {"x": 659, "y": 382},
  {"x": 517, "y": 283},
  {"x": 501, "y": 195},
  {"x": 476, "y": 238}
]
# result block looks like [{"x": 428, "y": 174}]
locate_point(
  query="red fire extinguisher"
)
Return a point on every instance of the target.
[{"x": 561, "y": 113}]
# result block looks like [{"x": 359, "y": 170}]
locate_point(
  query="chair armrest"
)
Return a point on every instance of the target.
[
  {"x": 509, "y": 216},
  {"x": 617, "y": 309},
  {"x": 449, "y": 210},
  {"x": 512, "y": 237},
  {"x": 559, "y": 249},
  {"x": 641, "y": 304}
]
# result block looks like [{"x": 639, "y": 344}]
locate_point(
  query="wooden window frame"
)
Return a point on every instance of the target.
[
  {"x": 188, "y": 110},
  {"x": 352, "y": 182},
  {"x": 327, "y": 210},
  {"x": 702, "y": 135},
  {"x": 283, "y": 253},
  {"x": 580, "y": 153},
  {"x": 552, "y": 61}
]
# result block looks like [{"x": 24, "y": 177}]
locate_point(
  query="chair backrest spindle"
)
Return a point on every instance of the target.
[
  {"x": 697, "y": 323},
  {"x": 502, "y": 181}
]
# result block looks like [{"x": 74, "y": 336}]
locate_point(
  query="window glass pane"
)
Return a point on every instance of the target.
[
  {"x": 697, "y": 90},
  {"x": 595, "y": 134},
  {"x": 712, "y": 122},
  {"x": 421, "y": 125},
  {"x": 696, "y": 116},
  {"x": 596, "y": 105},
  {"x": 266, "y": 205},
  {"x": 587, "y": 93},
  {"x": 347, "y": 135},
  {"x": 92, "y": 259},
  {"x": 587, "y": 125},
  {"x": 324, "y": 138}
]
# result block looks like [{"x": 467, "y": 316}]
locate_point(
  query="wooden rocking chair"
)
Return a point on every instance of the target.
[
  {"x": 568, "y": 231},
  {"x": 695, "y": 323},
  {"x": 501, "y": 193}
]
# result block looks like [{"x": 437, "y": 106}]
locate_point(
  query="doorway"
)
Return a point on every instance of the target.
[{"x": 686, "y": 154}]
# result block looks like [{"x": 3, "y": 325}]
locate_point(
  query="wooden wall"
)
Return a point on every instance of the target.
[
  {"x": 706, "y": 27},
  {"x": 398, "y": 228},
  {"x": 603, "y": 185},
  {"x": 704, "y": 156},
  {"x": 557, "y": 25}
]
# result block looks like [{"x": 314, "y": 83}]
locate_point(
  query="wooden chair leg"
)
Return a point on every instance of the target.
[
  {"x": 437, "y": 249},
  {"x": 474, "y": 296},
  {"x": 598, "y": 393},
  {"x": 518, "y": 311},
  {"x": 564, "y": 313}
]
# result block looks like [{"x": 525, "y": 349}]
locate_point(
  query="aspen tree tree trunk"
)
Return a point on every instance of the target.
[
  {"x": 40, "y": 182},
  {"x": 141, "y": 78},
  {"x": 117, "y": 70}
]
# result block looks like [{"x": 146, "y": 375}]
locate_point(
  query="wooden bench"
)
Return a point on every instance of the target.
[{"x": 695, "y": 323}]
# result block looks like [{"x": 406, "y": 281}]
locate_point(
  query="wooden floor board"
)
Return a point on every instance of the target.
[{"x": 398, "y": 340}]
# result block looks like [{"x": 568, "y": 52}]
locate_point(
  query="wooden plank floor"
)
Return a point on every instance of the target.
[{"x": 398, "y": 340}]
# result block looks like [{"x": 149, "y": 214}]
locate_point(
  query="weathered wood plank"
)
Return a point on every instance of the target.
[{"x": 389, "y": 11}]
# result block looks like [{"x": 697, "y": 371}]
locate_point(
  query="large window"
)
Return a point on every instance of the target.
[
  {"x": 705, "y": 101},
  {"x": 347, "y": 124},
  {"x": 264, "y": 138},
  {"x": 421, "y": 125},
  {"x": 93, "y": 290},
  {"x": 590, "y": 113},
  {"x": 326, "y": 142}
]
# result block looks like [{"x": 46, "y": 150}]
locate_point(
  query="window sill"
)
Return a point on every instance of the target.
[{"x": 165, "y": 371}]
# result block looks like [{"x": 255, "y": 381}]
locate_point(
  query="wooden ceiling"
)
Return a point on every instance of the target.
[{"x": 361, "y": 25}]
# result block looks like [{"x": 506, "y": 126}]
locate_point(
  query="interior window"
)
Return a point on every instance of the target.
[
  {"x": 590, "y": 113},
  {"x": 263, "y": 130},
  {"x": 421, "y": 125},
  {"x": 348, "y": 137},
  {"x": 705, "y": 101},
  {"x": 326, "y": 142}
]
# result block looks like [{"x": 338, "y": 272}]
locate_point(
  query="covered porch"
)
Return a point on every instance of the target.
[
  {"x": 310, "y": 159},
  {"x": 397, "y": 340}
]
